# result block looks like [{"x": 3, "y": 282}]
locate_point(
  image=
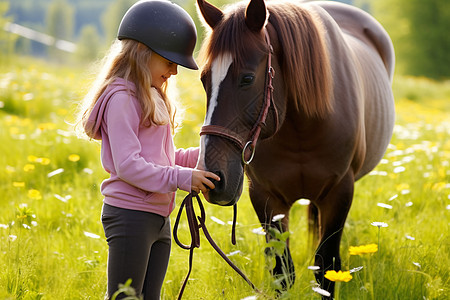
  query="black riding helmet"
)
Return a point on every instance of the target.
[{"x": 164, "y": 27}]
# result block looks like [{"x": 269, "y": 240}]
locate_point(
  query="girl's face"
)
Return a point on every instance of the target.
[{"x": 161, "y": 69}]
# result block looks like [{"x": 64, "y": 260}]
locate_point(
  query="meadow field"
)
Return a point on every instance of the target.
[{"x": 52, "y": 244}]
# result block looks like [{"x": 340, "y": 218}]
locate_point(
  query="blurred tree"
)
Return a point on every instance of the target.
[
  {"x": 7, "y": 39},
  {"x": 60, "y": 22},
  {"x": 88, "y": 46},
  {"x": 112, "y": 17},
  {"x": 420, "y": 32},
  {"x": 60, "y": 19},
  {"x": 23, "y": 46}
]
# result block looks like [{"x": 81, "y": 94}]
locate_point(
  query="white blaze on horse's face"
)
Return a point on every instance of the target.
[{"x": 219, "y": 69}]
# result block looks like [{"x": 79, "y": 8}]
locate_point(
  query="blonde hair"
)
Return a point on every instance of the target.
[{"x": 129, "y": 59}]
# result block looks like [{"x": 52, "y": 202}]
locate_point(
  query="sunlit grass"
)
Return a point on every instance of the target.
[{"x": 51, "y": 239}]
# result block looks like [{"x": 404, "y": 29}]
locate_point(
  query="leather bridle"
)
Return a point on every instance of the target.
[{"x": 248, "y": 145}]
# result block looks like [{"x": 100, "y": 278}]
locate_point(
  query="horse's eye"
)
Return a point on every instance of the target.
[{"x": 246, "y": 79}]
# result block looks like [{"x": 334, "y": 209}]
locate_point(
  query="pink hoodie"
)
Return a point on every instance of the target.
[{"x": 145, "y": 168}]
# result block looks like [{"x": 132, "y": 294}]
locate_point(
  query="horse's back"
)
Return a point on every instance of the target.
[
  {"x": 356, "y": 22},
  {"x": 370, "y": 56}
]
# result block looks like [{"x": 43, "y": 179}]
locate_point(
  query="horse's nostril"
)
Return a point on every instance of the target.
[{"x": 218, "y": 184}]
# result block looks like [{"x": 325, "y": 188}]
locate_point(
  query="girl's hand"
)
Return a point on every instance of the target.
[{"x": 201, "y": 181}]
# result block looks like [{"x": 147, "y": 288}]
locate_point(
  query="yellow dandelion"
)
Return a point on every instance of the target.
[
  {"x": 11, "y": 120},
  {"x": 439, "y": 186},
  {"x": 442, "y": 172},
  {"x": 14, "y": 131},
  {"x": 338, "y": 276},
  {"x": 74, "y": 157},
  {"x": 62, "y": 112},
  {"x": 41, "y": 160},
  {"x": 29, "y": 168},
  {"x": 44, "y": 161},
  {"x": 18, "y": 184},
  {"x": 402, "y": 186},
  {"x": 364, "y": 249},
  {"x": 25, "y": 122},
  {"x": 46, "y": 126},
  {"x": 34, "y": 194},
  {"x": 32, "y": 158}
]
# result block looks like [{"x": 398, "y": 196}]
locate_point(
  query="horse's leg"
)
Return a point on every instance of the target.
[
  {"x": 266, "y": 207},
  {"x": 333, "y": 211}
]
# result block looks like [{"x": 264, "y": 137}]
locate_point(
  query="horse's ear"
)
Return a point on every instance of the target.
[
  {"x": 256, "y": 15},
  {"x": 210, "y": 13}
]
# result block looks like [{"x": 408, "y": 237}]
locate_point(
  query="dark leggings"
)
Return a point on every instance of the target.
[{"x": 139, "y": 248}]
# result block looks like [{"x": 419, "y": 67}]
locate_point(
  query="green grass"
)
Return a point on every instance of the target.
[{"x": 51, "y": 239}]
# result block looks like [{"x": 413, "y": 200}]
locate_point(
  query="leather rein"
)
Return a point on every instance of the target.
[
  {"x": 195, "y": 223},
  {"x": 248, "y": 151},
  {"x": 248, "y": 145}
]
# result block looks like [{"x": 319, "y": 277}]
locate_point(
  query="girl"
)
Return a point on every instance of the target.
[{"x": 129, "y": 111}]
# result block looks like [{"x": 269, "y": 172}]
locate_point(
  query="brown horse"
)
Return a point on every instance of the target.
[{"x": 299, "y": 97}]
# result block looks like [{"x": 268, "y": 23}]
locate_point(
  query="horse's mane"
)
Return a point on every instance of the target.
[{"x": 303, "y": 60}]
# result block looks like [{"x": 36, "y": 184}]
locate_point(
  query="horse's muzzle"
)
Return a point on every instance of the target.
[{"x": 226, "y": 191}]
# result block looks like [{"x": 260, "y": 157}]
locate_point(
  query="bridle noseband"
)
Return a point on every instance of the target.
[{"x": 248, "y": 145}]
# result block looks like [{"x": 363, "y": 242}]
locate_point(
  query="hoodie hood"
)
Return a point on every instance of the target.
[{"x": 92, "y": 125}]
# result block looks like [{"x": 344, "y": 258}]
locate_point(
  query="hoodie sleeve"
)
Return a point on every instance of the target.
[
  {"x": 187, "y": 157},
  {"x": 122, "y": 120}
]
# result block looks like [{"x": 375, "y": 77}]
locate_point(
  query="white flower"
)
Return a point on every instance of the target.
[
  {"x": 259, "y": 231},
  {"x": 410, "y": 237},
  {"x": 321, "y": 291},
  {"x": 417, "y": 264},
  {"x": 278, "y": 217},
  {"x": 408, "y": 204},
  {"x": 314, "y": 268},
  {"x": 234, "y": 253},
  {"x": 61, "y": 198},
  {"x": 399, "y": 169},
  {"x": 379, "y": 224},
  {"x": 56, "y": 172},
  {"x": 304, "y": 201},
  {"x": 12, "y": 237},
  {"x": 393, "y": 197},
  {"x": 91, "y": 235},
  {"x": 379, "y": 173},
  {"x": 356, "y": 269},
  {"x": 249, "y": 298},
  {"x": 88, "y": 171},
  {"x": 218, "y": 221},
  {"x": 384, "y": 205}
]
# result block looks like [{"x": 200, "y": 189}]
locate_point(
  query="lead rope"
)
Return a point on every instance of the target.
[{"x": 194, "y": 227}]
